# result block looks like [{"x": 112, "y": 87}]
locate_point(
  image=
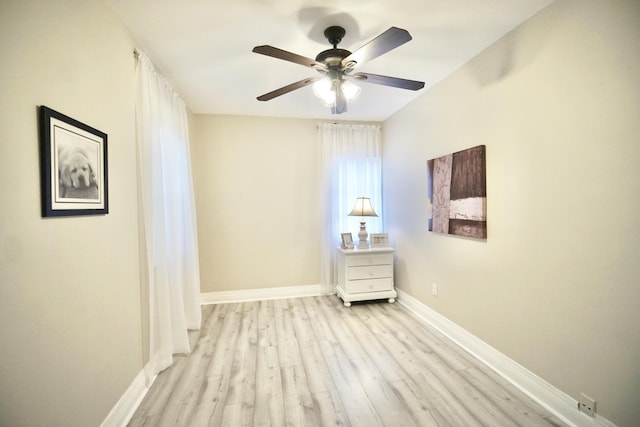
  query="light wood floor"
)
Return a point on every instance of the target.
[{"x": 313, "y": 362}]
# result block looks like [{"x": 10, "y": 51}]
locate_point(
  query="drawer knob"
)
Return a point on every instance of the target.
[{"x": 371, "y": 286}]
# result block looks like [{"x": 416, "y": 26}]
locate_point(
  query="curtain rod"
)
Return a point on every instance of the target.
[
  {"x": 349, "y": 124},
  {"x": 136, "y": 55}
]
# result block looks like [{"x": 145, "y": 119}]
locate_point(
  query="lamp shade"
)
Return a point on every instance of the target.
[{"x": 363, "y": 208}]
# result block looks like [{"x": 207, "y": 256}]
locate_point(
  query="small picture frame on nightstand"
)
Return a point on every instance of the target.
[
  {"x": 379, "y": 240},
  {"x": 347, "y": 240}
]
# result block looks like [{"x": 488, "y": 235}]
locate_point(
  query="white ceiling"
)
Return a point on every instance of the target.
[{"x": 203, "y": 47}]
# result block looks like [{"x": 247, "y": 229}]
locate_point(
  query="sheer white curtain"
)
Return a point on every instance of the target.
[
  {"x": 168, "y": 214},
  {"x": 350, "y": 167}
]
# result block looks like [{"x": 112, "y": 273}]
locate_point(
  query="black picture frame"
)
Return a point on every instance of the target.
[{"x": 73, "y": 166}]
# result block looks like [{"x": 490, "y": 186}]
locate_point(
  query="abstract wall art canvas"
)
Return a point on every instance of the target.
[{"x": 457, "y": 193}]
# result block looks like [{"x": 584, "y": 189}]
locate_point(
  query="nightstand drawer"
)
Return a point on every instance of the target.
[
  {"x": 373, "y": 285},
  {"x": 369, "y": 259},
  {"x": 370, "y": 272}
]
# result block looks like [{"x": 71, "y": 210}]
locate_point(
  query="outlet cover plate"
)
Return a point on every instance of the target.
[{"x": 587, "y": 405}]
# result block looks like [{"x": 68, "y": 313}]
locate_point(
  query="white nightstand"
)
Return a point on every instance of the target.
[{"x": 365, "y": 274}]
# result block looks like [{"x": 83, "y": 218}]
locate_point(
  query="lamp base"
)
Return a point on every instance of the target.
[{"x": 362, "y": 235}]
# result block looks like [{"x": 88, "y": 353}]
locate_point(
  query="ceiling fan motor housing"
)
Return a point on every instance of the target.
[{"x": 333, "y": 57}]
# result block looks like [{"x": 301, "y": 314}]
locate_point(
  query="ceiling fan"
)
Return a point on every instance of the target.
[{"x": 336, "y": 67}]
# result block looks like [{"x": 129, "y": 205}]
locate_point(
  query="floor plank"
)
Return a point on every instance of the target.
[{"x": 313, "y": 362}]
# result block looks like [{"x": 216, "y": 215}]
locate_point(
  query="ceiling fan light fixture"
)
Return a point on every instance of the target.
[
  {"x": 350, "y": 90},
  {"x": 324, "y": 89}
]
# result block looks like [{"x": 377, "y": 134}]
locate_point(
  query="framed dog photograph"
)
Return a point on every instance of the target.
[{"x": 73, "y": 166}]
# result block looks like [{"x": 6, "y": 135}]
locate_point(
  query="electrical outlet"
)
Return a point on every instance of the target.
[
  {"x": 434, "y": 289},
  {"x": 587, "y": 405}
]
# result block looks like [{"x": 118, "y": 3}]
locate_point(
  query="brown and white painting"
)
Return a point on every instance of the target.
[{"x": 457, "y": 193}]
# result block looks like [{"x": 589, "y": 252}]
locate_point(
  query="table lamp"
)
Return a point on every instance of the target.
[{"x": 363, "y": 209}]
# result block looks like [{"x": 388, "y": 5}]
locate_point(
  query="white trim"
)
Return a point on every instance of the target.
[
  {"x": 124, "y": 409},
  {"x": 556, "y": 401},
  {"x": 261, "y": 294}
]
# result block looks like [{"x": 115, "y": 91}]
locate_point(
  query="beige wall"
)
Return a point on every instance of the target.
[
  {"x": 69, "y": 287},
  {"x": 556, "y": 285},
  {"x": 256, "y": 186}
]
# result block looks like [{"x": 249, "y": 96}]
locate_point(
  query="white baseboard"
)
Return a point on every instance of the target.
[
  {"x": 261, "y": 294},
  {"x": 124, "y": 409},
  {"x": 559, "y": 403}
]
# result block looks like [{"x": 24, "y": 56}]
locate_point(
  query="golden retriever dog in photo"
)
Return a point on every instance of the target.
[{"x": 76, "y": 174}]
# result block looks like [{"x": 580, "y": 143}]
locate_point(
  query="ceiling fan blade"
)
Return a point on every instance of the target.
[
  {"x": 288, "y": 88},
  {"x": 274, "y": 52},
  {"x": 390, "y": 39},
  {"x": 388, "y": 81}
]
